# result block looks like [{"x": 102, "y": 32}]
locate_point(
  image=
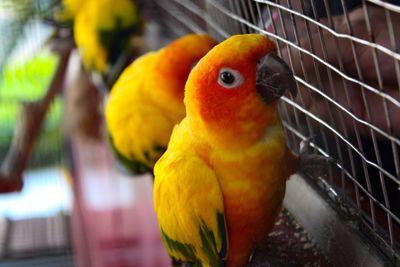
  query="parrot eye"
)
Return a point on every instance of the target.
[{"x": 229, "y": 78}]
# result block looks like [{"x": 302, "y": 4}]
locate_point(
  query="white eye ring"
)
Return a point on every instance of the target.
[{"x": 230, "y": 78}]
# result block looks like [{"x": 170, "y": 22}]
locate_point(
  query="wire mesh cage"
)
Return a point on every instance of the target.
[{"x": 345, "y": 55}]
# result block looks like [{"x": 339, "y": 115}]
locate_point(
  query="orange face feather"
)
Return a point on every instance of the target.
[{"x": 231, "y": 112}]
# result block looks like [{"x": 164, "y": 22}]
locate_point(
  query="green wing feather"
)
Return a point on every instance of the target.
[
  {"x": 131, "y": 165},
  {"x": 208, "y": 245}
]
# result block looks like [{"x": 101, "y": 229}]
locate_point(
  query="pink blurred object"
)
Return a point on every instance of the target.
[{"x": 113, "y": 222}]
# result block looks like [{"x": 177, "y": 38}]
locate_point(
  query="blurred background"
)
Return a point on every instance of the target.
[{"x": 65, "y": 200}]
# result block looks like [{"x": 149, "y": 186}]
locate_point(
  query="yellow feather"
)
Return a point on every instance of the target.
[
  {"x": 147, "y": 100},
  {"x": 68, "y": 10},
  {"x": 134, "y": 118},
  {"x": 96, "y": 16},
  {"x": 190, "y": 195}
]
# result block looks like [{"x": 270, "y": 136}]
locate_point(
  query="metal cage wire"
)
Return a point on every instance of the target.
[{"x": 346, "y": 59}]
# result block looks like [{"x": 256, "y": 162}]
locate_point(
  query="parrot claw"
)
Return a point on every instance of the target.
[
  {"x": 312, "y": 165},
  {"x": 305, "y": 144}
]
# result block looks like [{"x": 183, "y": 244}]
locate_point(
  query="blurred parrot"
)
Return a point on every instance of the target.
[
  {"x": 147, "y": 101},
  {"x": 220, "y": 185},
  {"x": 102, "y": 30},
  {"x": 68, "y": 9}
]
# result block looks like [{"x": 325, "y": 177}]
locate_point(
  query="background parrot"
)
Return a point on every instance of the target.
[
  {"x": 147, "y": 101},
  {"x": 68, "y": 10},
  {"x": 220, "y": 185},
  {"x": 102, "y": 30}
]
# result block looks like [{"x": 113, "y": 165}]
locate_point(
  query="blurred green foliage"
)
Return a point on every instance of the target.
[{"x": 29, "y": 81}]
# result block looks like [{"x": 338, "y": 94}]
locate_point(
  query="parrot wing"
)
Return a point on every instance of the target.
[
  {"x": 190, "y": 210},
  {"x": 138, "y": 135},
  {"x": 131, "y": 165}
]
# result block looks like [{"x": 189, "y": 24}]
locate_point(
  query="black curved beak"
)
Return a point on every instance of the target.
[{"x": 273, "y": 78}]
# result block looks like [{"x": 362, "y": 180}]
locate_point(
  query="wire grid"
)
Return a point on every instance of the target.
[{"x": 346, "y": 59}]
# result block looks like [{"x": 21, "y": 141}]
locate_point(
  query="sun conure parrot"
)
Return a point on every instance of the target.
[
  {"x": 103, "y": 29},
  {"x": 68, "y": 9},
  {"x": 147, "y": 101},
  {"x": 220, "y": 185}
]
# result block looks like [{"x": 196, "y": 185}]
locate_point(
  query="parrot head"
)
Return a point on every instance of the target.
[
  {"x": 176, "y": 60},
  {"x": 233, "y": 90}
]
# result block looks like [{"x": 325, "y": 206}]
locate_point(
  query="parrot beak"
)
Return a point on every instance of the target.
[{"x": 273, "y": 78}]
